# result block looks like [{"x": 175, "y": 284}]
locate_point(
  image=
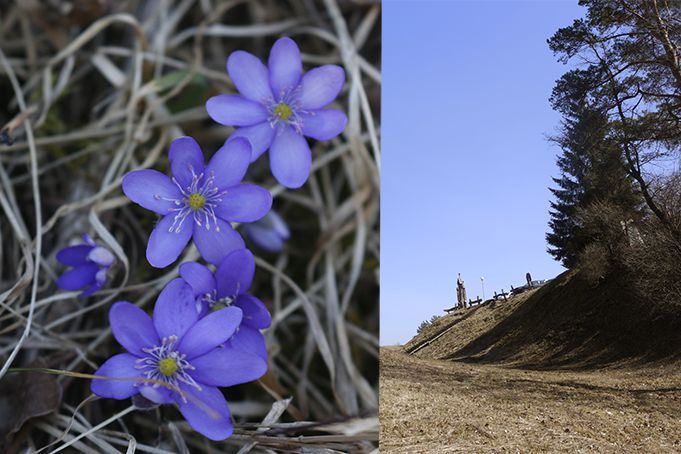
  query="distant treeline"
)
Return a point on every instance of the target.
[{"x": 617, "y": 202}]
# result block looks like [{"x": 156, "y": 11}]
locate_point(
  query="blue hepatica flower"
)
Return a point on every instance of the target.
[
  {"x": 90, "y": 263},
  {"x": 177, "y": 358},
  {"x": 279, "y": 105},
  {"x": 199, "y": 201},
  {"x": 228, "y": 287},
  {"x": 269, "y": 233}
]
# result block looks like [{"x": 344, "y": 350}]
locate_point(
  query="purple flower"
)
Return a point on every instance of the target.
[
  {"x": 278, "y": 106},
  {"x": 198, "y": 202},
  {"x": 90, "y": 263},
  {"x": 228, "y": 287},
  {"x": 269, "y": 233},
  {"x": 178, "y": 358}
]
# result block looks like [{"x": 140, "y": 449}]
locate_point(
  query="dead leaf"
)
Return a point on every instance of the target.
[{"x": 23, "y": 396}]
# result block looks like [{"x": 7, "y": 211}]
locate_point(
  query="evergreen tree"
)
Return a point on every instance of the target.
[
  {"x": 592, "y": 169},
  {"x": 630, "y": 68}
]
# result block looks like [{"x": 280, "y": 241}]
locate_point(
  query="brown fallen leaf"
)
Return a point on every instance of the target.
[{"x": 23, "y": 396}]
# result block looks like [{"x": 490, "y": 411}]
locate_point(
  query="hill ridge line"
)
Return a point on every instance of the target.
[{"x": 435, "y": 337}]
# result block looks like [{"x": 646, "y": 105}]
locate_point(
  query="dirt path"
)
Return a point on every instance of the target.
[{"x": 429, "y": 406}]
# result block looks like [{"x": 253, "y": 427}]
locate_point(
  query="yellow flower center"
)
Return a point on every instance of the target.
[
  {"x": 167, "y": 366},
  {"x": 283, "y": 111},
  {"x": 196, "y": 201},
  {"x": 217, "y": 307}
]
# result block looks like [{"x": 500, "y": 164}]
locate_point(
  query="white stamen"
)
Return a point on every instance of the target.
[
  {"x": 212, "y": 300},
  {"x": 149, "y": 365},
  {"x": 290, "y": 97},
  {"x": 204, "y": 187}
]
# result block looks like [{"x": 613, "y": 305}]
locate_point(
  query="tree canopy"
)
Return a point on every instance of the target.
[{"x": 622, "y": 113}]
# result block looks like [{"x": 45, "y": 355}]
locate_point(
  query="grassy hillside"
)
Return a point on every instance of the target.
[{"x": 566, "y": 323}]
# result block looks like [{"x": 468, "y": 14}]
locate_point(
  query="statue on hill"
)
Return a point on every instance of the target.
[
  {"x": 461, "y": 292},
  {"x": 528, "y": 278}
]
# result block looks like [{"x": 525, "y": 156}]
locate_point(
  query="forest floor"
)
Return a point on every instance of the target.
[{"x": 437, "y": 406}]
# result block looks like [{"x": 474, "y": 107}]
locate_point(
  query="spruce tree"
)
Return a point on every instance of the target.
[
  {"x": 630, "y": 53},
  {"x": 591, "y": 168}
]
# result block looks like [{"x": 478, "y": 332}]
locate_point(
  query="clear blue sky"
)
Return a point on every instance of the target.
[{"x": 466, "y": 163}]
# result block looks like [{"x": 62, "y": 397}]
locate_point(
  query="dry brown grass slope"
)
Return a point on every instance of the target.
[
  {"x": 567, "y": 368},
  {"x": 566, "y": 323}
]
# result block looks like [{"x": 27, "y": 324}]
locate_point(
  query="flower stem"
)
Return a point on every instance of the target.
[{"x": 44, "y": 370}]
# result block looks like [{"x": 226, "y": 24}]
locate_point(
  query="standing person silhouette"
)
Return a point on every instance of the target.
[
  {"x": 461, "y": 292},
  {"x": 528, "y": 277}
]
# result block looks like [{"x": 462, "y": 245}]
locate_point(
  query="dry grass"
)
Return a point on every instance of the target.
[
  {"x": 569, "y": 323},
  {"x": 465, "y": 326},
  {"x": 569, "y": 367},
  {"x": 95, "y": 89},
  {"x": 438, "y": 406}
]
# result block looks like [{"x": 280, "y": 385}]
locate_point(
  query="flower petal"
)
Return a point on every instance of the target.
[
  {"x": 323, "y": 124},
  {"x": 151, "y": 189},
  {"x": 256, "y": 314},
  {"x": 249, "y": 75},
  {"x": 211, "y": 331},
  {"x": 290, "y": 158},
  {"x": 74, "y": 255},
  {"x": 164, "y": 246},
  {"x": 249, "y": 340},
  {"x": 118, "y": 366},
  {"x": 186, "y": 160},
  {"x": 264, "y": 238},
  {"x": 78, "y": 277},
  {"x": 214, "y": 245},
  {"x": 132, "y": 327},
  {"x": 320, "y": 86},
  {"x": 235, "y": 274},
  {"x": 228, "y": 367},
  {"x": 260, "y": 137},
  {"x": 198, "y": 277},
  {"x": 274, "y": 221},
  {"x": 175, "y": 310},
  {"x": 233, "y": 110},
  {"x": 100, "y": 277},
  {"x": 244, "y": 203},
  {"x": 206, "y": 411},
  {"x": 230, "y": 163},
  {"x": 101, "y": 256},
  {"x": 157, "y": 394},
  {"x": 89, "y": 290},
  {"x": 285, "y": 67}
]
